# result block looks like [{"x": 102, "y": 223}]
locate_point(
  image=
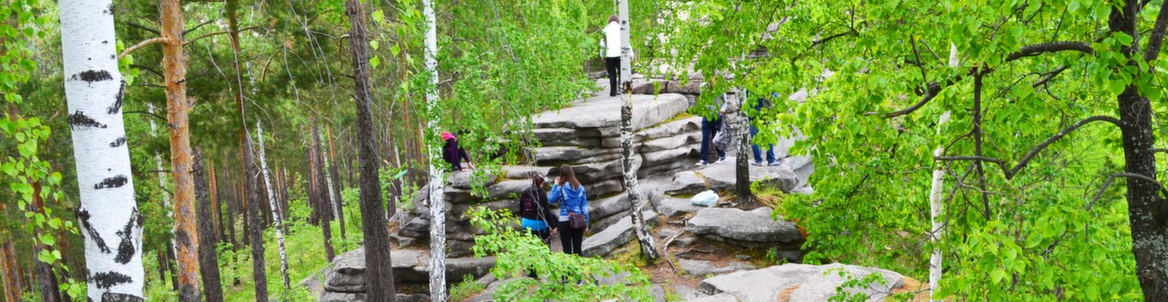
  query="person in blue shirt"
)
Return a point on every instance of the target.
[{"x": 568, "y": 193}]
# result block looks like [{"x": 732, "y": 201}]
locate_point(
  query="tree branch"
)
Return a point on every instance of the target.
[
  {"x": 216, "y": 34},
  {"x": 185, "y": 32},
  {"x": 1156, "y": 39},
  {"x": 1010, "y": 172},
  {"x": 145, "y": 43},
  {"x": 1050, "y": 75},
  {"x": 1041, "y": 48},
  {"x": 829, "y": 38},
  {"x": 139, "y": 26},
  {"x": 151, "y": 70},
  {"x": 1112, "y": 177}
]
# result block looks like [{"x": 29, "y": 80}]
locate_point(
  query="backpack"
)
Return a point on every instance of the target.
[{"x": 529, "y": 205}]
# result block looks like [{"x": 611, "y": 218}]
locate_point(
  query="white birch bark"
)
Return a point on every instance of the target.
[
  {"x": 328, "y": 182},
  {"x": 109, "y": 218},
  {"x": 437, "y": 205},
  {"x": 648, "y": 249},
  {"x": 935, "y": 212},
  {"x": 275, "y": 206}
]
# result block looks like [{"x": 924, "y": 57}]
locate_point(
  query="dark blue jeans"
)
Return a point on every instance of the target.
[
  {"x": 758, "y": 152},
  {"x": 709, "y": 129}
]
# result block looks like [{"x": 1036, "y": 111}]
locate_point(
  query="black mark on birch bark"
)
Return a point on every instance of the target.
[
  {"x": 97, "y": 240},
  {"x": 80, "y": 120},
  {"x": 109, "y": 279},
  {"x": 126, "y": 248},
  {"x": 118, "y": 142},
  {"x": 116, "y": 297},
  {"x": 90, "y": 76},
  {"x": 117, "y": 106},
  {"x": 112, "y": 182}
]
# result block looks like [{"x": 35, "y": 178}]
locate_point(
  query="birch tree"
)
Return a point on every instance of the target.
[
  {"x": 108, "y": 214},
  {"x": 272, "y": 201},
  {"x": 379, "y": 268},
  {"x": 648, "y": 249},
  {"x": 437, "y": 181}
]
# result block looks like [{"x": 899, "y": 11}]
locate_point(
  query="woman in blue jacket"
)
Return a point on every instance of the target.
[{"x": 570, "y": 196}]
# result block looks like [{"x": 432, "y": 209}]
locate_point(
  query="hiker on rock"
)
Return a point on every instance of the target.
[
  {"x": 757, "y": 105},
  {"x": 535, "y": 214},
  {"x": 612, "y": 54},
  {"x": 568, "y": 193},
  {"x": 454, "y": 154},
  {"x": 710, "y": 128}
]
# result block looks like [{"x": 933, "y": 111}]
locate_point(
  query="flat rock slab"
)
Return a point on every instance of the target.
[
  {"x": 686, "y": 182},
  {"x": 716, "y": 298},
  {"x": 702, "y": 267},
  {"x": 617, "y": 235},
  {"x": 409, "y": 265},
  {"x": 806, "y": 283},
  {"x": 723, "y": 176},
  {"x": 604, "y": 112},
  {"x": 673, "y": 208},
  {"x": 360, "y": 297},
  {"x": 748, "y": 229}
]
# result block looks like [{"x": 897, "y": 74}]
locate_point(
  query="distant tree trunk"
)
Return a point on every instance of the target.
[
  {"x": 321, "y": 193},
  {"x": 272, "y": 202},
  {"x": 257, "y": 238},
  {"x": 50, "y": 290},
  {"x": 174, "y": 69},
  {"x": 379, "y": 268},
  {"x": 208, "y": 260},
  {"x": 10, "y": 273},
  {"x": 742, "y": 167},
  {"x": 241, "y": 191},
  {"x": 334, "y": 190},
  {"x": 648, "y": 248},
  {"x": 436, "y": 183},
  {"x": 310, "y": 188},
  {"x": 216, "y": 214},
  {"x": 229, "y": 218},
  {"x": 335, "y": 186},
  {"x": 93, "y": 90}
]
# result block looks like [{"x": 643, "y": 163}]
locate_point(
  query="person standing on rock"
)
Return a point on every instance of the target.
[
  {"x": 754, "y": 114},
  {"x": 710, "y": 127},
  {"x": 535, "y": 214},
  {"x": 573, "y": 201},
  {"x": 454, "y": 154},
  {"x": 612, "y": 54}
]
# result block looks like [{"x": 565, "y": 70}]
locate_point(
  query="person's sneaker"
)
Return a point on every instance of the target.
[
  {"x": 775, "y": 163},
  {"x": 702, "y": 164},
  {"x": 721, "y": 160},
  {"x": 757, "y": 163}
]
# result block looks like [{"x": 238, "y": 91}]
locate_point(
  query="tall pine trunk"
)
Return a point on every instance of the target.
[
  {"x": 108, "y": 214},
  {"x": 334, "y": 183},
  {"x": 321, "y": 192},
  {"x": 259, "y": 273},
  {"x": 208, "y": 260},
  {"x": 275, "y": 215},
  {"x": 436, "y": 184},
  {"x": 379, "y": 270},
  {"x": 174, "y": 69},
  {"x": 10, "y": 272},
  {"x": 49, "y": 288},
  {"x": 644, "y": 238}
]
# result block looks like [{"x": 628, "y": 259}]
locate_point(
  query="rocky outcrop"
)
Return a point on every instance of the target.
[
  {"x": 703, "y": 267},
  {"x": 753, "y": 229},
  {"x": 801, "y": 283},
  {"x": 345, "y": 281},
  {"x": 612, "y": 237}
]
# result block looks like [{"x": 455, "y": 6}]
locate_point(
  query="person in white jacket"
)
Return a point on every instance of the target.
[{"x": 612, "y": 53}]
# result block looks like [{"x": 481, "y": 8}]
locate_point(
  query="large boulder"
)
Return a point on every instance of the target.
[
  {"x": 348, "y": 272},
  {"x": 703, "y": 267},
  {"x": 724, "y": 176},
  {"x": 686, "y": 182},
  {"x": 604, "y": 242},
  {"x": 748, "y": 229},
  {"x": 801, "y": 282},
  {"x": 604, "y": 112},
  {"x": 672, "y": 208}
]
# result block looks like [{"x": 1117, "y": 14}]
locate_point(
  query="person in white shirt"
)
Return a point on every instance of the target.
[{"x": 612, "y": 53}]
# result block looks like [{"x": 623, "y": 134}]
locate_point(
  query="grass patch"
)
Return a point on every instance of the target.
[{"x": 466, "y": 289}]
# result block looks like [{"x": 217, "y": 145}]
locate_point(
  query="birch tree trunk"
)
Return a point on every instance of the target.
[
  {"x": 326, "y": 208},
  {"x": 108, "y": 214},
  {"x": 436, "y": 184},
  {"x": 935, "y": 212},
  {"x": 272, "y": 202},
  {"x": 174, "y": 69},
  {"x": 379, "y": 269},
  {"x": 648, "y": 249},
  {"x": 742, "y": 177},
  {"x": 208, "y": 260}
]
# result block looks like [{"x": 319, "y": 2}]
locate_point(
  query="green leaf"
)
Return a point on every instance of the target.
[
  {"x": 48, "y": 239},
  {"x": 1116, "y": 86},
  {"x": 395, "y": 49},
  {"x": 997, "y": 275},
  {"x": 374, "y": 44},
  {"x": 374, "y": 62}
]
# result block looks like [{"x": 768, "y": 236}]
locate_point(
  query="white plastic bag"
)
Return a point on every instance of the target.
[{"x": 706, "y": 198}]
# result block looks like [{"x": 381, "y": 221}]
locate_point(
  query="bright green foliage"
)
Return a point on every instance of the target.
[
  {"x": 518, "y": 252},
  {"x": 466, "y": 289},
  {"x": 1033, "y": 237}
]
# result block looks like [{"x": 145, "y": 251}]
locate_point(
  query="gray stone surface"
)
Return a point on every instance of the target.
[
  {"x": 723, "y": 176},
  {"x": 815, "y": 283},
  {"x": 574, "y": 155},
  {"x": 360, "y": 297},
  {"x": 466, "y": 179},
  {"x": 686, "y": 182},
  {"x": 475, "y": 267},
  {"x": 670, "y": 142},
  {"x": 716, "y": 298},
  {"x": 605, "y": 207},
  {"x": 417, "y": 227},
  {"x": 600, "y": 112},
  {"x": 702, "y": 267},
  {"x": 658, "y": 293},
  {"x": 617, "y": 235},
  {"x": 673, "y": 208},
  {"x": 749, "y": 229}
]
